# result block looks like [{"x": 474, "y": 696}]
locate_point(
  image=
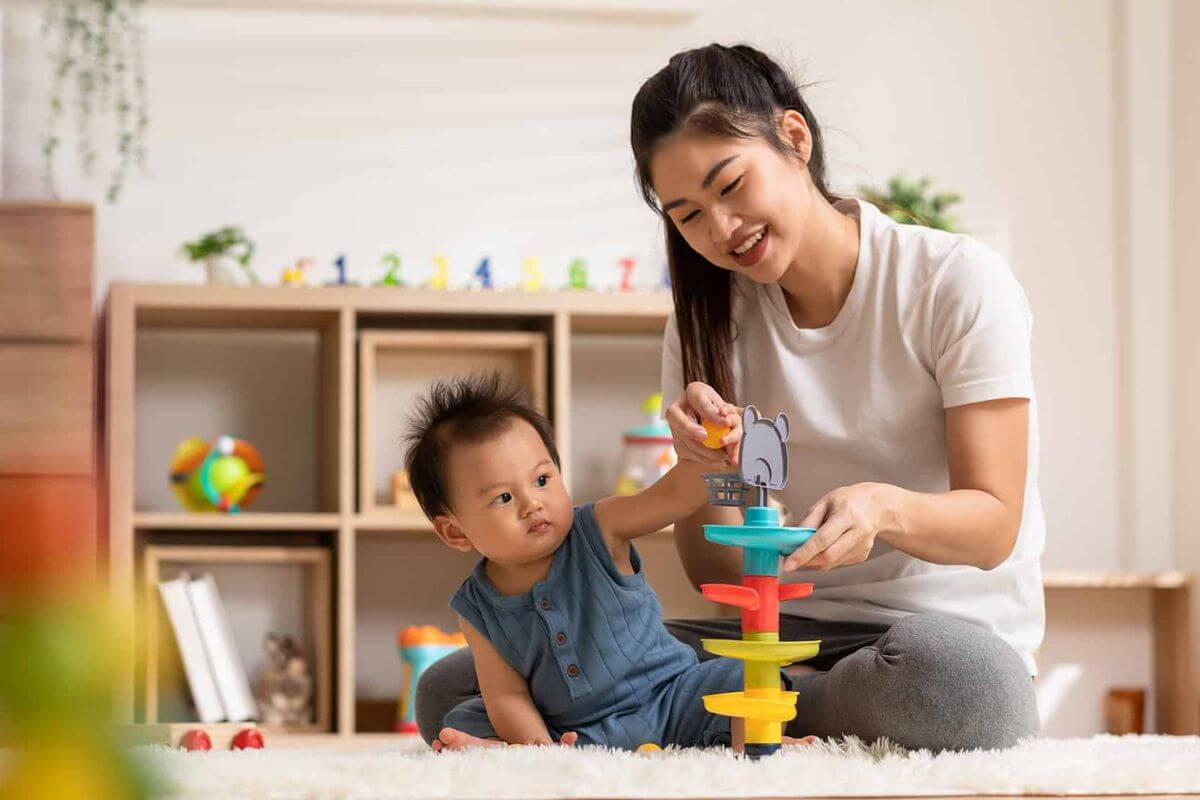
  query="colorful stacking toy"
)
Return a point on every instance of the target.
[
  {"x": 420, "y": 646},
  {"x": 763, "y": 705}
]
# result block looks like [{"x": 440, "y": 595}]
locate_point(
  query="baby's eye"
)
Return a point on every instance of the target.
[
  {"x": 542, "y": 480},
  {"x": 502, "y": 499}
]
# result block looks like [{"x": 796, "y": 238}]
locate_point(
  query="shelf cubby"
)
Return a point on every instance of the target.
[
  {"x": 285, "y": 589},
  {"x": 395, "y": 368}
]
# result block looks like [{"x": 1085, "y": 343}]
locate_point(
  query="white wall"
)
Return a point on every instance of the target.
[{"x": 342, "y": 130}]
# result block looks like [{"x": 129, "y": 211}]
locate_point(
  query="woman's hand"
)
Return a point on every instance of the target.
[
  {"x": 847, "y": 521},
  {"x": 700, "y": 402}
]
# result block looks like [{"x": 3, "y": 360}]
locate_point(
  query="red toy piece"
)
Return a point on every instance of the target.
[
  {"x": 730, "y": 595},
  {"x": 195, "y": 739},
  {"x": 248, "y": 739},
  {"x": 794, "y": 591}
]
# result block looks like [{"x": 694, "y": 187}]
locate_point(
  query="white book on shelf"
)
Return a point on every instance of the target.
[
  {"x": 201, "y": 681},
  {"x": 217, "y": 633}
]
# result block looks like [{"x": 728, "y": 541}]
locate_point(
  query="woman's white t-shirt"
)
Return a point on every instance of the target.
[{"x": 932, "y": 320}]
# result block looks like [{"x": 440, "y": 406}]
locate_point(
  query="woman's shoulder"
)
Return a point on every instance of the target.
[{"x": 922, "y": 263}]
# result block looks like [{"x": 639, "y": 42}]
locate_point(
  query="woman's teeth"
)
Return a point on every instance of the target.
[{"x": 750, "y": 242}]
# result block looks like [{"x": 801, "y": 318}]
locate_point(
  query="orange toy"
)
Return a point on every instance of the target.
[{"x": 715, "y": 434}]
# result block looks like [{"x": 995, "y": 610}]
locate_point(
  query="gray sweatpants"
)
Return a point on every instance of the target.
[{"x": 929, "y": 681}]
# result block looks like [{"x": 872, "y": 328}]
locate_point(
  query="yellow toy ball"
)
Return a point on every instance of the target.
[
  {"x": 648, "y": 747},
  {"x": 715, "y": 434}
]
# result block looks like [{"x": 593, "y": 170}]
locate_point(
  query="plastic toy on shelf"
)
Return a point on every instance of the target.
[
  {"x": 439, "y": 277},
  {"x": 225, "y": 476},
  {"x": 627, "y": 265},
  {"x": 648, "y": 453},
  {"x": 483, "y": 274},
  {"x": 763, "y": 705},
  {"x": 420, "y": 646},
  {"x": 391, "y": 260},
  {"x": 339, "y": 264},
  {"x": 531, "y": 271},
  {"x": 296, "y": 275},
  {"x": 577, "y": 277}
]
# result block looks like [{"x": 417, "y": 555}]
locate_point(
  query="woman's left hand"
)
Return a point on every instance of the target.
[{"x": 847, "y": 521}]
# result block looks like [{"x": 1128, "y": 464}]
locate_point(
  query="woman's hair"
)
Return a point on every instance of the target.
[{"x": 736, "y": 92}]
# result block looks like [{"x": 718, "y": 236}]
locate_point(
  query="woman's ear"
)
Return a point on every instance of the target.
[
  {"x": 451, "y": 534},
  {"x": 795, "y": 131}
]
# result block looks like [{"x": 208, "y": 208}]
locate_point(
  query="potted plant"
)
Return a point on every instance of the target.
[
  {"x": 223, "y": 252},
  {"x": 907, "y": 202}
]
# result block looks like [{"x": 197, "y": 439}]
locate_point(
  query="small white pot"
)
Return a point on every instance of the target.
[{"x": 224, "y": 271}]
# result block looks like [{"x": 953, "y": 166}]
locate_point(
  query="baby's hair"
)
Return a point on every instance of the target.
[{"x": 457, "y": 411}]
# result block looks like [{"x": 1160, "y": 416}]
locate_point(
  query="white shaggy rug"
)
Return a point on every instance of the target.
[{"x": 1101, "y": 765}]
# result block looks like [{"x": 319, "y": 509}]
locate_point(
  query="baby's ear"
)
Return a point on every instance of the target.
[
  {"x": 451, "y": 534},
  {"x": 781, "y": 425}
]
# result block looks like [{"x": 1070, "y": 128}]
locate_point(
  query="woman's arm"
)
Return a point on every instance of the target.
[{"x": 974, "y": 523}]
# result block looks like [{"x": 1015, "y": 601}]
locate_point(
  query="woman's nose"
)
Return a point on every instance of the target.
[{"x": 722, "y": 227}]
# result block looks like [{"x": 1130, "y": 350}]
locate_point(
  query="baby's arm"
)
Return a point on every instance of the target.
[
  {"x": 674, "y": 496},
  {"x": 510, "y": 707}
]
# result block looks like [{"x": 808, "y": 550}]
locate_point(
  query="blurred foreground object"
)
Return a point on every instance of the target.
[{"x": 58, "y": 650}]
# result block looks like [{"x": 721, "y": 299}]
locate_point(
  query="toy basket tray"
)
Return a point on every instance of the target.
[{"x": 725, "y": 489}]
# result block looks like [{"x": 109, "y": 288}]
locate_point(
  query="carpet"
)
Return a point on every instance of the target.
[{"x": 1100, "y": 765}]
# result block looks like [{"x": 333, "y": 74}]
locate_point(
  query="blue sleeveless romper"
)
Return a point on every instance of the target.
[{"x": 591, "y": 644}]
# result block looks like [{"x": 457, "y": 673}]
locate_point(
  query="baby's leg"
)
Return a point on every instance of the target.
[
  {"x": 454, "y": 739},
  {"x": 466, "y": 725}
]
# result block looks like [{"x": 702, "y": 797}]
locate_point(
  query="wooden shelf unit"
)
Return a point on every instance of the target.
[{"x": 541, "y": 322}]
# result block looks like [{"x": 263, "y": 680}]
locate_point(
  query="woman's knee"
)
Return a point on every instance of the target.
[
  {"x": 963, "y": 687},
  {"x": 444, "y": 684}
]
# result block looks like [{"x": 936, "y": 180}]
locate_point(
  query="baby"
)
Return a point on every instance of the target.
[{"x": 566, "y": 634}]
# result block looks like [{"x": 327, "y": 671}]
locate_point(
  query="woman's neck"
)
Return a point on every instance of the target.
[{"x": 818, "y": 282}]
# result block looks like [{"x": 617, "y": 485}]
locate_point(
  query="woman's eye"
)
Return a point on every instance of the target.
[
  {"x": 689, "y": 218},
  {"x": 731, "y": 186},
  {"x": 542, "y": 480},
  {"x": 503, "y": 499}
]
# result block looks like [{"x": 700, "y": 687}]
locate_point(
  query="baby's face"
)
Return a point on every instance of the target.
[{"x": 507, "y": 497}]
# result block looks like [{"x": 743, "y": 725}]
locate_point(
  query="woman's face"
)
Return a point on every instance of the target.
[{"x": 740, "y": 203}]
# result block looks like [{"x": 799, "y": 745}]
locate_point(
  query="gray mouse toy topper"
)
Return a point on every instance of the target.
[{"x": 762, "y": 455}]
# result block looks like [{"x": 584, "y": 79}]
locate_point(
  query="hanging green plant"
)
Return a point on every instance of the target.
[
  {"x": 909, "y": 202},
  {"x": 97, "y": 61}
]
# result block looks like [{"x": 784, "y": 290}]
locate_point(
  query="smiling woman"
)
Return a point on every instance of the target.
[{"x": 901, "y": 356}]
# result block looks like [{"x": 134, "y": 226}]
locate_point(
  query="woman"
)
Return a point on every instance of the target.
[{"x": 901, "y": 357}]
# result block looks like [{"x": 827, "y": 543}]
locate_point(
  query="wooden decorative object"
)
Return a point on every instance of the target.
[{"x": 1124, "y": 711}]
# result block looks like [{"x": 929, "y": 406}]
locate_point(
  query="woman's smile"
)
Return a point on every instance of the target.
[{"x": 751, "y": 251}]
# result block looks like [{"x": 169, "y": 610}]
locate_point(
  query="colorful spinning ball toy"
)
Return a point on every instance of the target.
[{"x": 224, "y": 476}]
